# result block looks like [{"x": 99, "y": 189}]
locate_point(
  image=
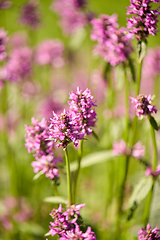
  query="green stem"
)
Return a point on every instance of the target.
[
  {"x": 139, "y": 76},
  {"x": 154, "y": 164},
  {"x": 80, "y": 153},
  {"x": 134, "y": 126},
  {"x": 126, "y": 102},
  {"x": 68, "y": 177},
  {"x": 121, "y": 197}
]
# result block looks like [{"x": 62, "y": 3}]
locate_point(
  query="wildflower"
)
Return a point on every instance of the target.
[
  {"x": 143, "y": 105},
  {"x": 50, "y": 52},
  {"x": 5, "y": 4},
  {"x": 81, "y": 105},
  {"x": 30, "y": 15},
  {"x": 3, "y": 40},
  {"x": 36, "y": 142},
  {"x": 113, "y": 43},
  {"x": 155, "y": 173},
  {"x": 19, "y": 65},
  {"x": 71, "y": 14},
  {"x": 144, "y": 21},
  {"x": 62, "y": 129},
  {"x": 36, "y": 138},
  {"x": 47, "y": 164},
  {"x": 149, "y": 233},
  {"x": 69, "y": 224},
  {"x": 14, "y": 211},
  {"x": 121, "y": 148}
]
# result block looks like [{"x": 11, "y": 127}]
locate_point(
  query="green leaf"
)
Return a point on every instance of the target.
[
  {"x": 95, "y": 135},
  {"x": 153, "y": 123},
  {"x": 141, "y": 49},
  {"x": 32, "y": 228},
  {"x": 55, "y": 199},
  {"x": 93, "y": 158},
  {"x": 140, "y": 191},
  {"x": 37, "y": 175},
  {"x": 132, "y": 69}
]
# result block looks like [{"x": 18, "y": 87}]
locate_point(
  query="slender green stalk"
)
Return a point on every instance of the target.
[
  {"x": 80, "y": 153},
  {"x": 68, "y": 177},
  {"x": 139, "y": 76},
  {"x": 134, "y": 126},
  {"x": 154, "y": 164},
  {"x": 126, "y": 103}
]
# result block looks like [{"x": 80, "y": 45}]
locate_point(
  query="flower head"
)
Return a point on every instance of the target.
[
  {"x": 149, "y": 233},
  {"x": 143, "y": 105},
  {"x": 5, "y": 4},
  {"x": 3, "y": 40},
  {"x": 50, "y": 52},
  {"x": 63, "y": 130},
  {"x": 30, "y": 15},
  {"x": 69, "y": 224},
  {"x": 19, "y": 65},
  {"x": 113, "y": 43},
  {"x": 144, "y": 19},
  {"x": 81, "y": 105},
  {"x": 121, "y": 148},
  {"x": 36, "y": 138},
  {"x": 72, "y": 17}
]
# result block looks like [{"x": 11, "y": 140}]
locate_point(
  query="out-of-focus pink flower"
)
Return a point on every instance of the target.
[
  {"x": 47, "y": 106},
  {"x": 71, "y": 14},
  {"x": 14, "y": 211},
  {"x": 50, "y": 52},
  {"x": 121, "y": 148},
  {"x": 3, "y": 40},
  {"x": 138, "y": 150},
  {"x": 5, "y": 4},
  {"x": 19, "y": 65},
  {"x": 30, "y": 15}
]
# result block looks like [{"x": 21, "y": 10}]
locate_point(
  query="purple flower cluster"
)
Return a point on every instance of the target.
[
  {"x": 149, "y": 233},
  {"x": 121, "y": 148},
  {"x": 50, "y": 52},
  {"x": 43, "y": 149},
  {"x": 143, "y": 105},
  {"x": 113, "y": 43},
  {"x": 72, "y": 16},
  {"x": 3, "y": 40},
  {"x": 75, "y": 124},
  {"x": 67, "y": 224},
  {"x": 14, "y": 211},
  {"x": 5, "y": 4},
  {"x": 155, "y": 173},
  {"x": 19, "y": 65},
  {"x": 144, "y": 21},
  {"x": 30, "y": 15},
  {"x": 151, "y": 64}
]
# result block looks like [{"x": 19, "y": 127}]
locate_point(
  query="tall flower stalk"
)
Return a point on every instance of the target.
[{"x": 68, "y": 177}]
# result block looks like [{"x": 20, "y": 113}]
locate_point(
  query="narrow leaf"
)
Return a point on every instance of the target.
[
  {"x": 55, "y": 199},
  {"x": 132, "y": 69},
  {"x": 37, "y": 175},
  {"x": 153, "y": 123},
  {"x": 95, "y": 135},
  {"x": 92, "y": 159},
  {"x": 140, "y": 191}
]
